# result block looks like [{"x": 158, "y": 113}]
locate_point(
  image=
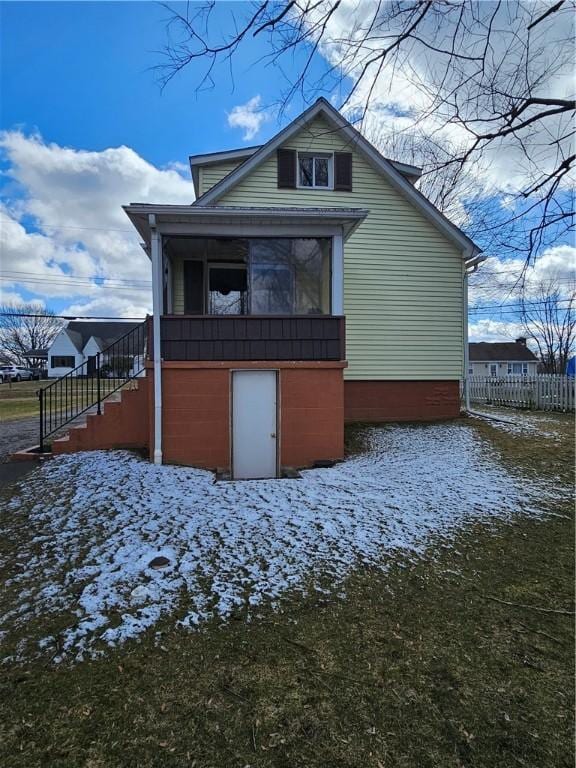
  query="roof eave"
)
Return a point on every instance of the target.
[
  {"x": 214, "y": 158},
  {"x": 139, "y": 213}
]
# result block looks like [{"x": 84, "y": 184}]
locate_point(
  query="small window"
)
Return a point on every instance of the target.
[
  {"x": 518, "y": 369},
  {"x": 60, "y": 361},
  {"x": 315, "y": 171},
  {"x": 494, "y": 369}
]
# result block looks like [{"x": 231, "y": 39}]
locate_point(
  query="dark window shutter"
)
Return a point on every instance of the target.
[
  {"x": 286, "y": 168},
  {"x": 193, "y": 287},
  {"x": 343, "y": 171}
]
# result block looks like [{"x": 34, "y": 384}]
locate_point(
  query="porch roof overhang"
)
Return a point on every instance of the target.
[{"x": 241, "y": 221}]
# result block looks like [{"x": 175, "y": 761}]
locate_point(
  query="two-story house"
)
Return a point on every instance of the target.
[{"x": 309, "y": 284}]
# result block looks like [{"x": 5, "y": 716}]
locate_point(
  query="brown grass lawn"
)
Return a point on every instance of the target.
[
  {"x": 18, "y": 399},
  {"x": 462, "y": 659}
]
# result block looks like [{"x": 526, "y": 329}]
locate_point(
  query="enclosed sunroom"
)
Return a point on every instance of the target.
[{"x": 247, "y": 338}]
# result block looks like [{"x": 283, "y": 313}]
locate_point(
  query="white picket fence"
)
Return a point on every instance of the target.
[{"x": 544, "y": 392}]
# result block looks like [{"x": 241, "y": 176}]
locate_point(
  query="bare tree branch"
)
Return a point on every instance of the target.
[
  {"x": 20, "y": 334},
  {"x": 486, "y": 81}
]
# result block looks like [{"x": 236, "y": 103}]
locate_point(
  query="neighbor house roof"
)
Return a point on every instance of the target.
[
  {"x": 484, "y": 351},
  {"x": 389, "y": 170},
  {"x": 105, "y": 333},
  {"x": 38, "y": 354}
]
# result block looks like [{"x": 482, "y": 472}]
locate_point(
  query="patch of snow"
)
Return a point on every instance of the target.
[
  {"x": 98, "y": 519},
  {"x": 518, "y": 422}
]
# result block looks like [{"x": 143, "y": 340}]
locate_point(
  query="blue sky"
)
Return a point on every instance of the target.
[{"x": 81, "y": 74}]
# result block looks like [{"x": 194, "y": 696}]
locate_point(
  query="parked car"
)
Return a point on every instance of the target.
[{"x": 17, "y": 373}]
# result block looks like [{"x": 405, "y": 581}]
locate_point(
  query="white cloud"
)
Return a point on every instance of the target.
[
  {"x": 249, "y": 116},
  {"x": 74, "y": 198},
  {"x": 491, "y": 330},
  {"x": 500, "y": 280},
  {"x": 404, "y": 97}
]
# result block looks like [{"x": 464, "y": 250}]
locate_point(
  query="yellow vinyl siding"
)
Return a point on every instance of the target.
[
  {"x": 211, "y": 174},
  {"x": 177, "y": 286},
  {"x": 403, "y": 295}
]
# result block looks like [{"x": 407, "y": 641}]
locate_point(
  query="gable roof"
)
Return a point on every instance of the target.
[
  {"x": 323, "y": 108},
  {"x": 243, "y": 153},
  {"x": 215, "y": 158},
  {"x": 81, "y": 331},
  {"x": 485, "y": 351}
]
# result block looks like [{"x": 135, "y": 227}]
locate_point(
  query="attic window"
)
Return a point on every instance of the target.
[{"x": 315, "y": 171}]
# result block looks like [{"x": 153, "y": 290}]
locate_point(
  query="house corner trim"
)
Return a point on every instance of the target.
[{"x": 157, "y": 298}]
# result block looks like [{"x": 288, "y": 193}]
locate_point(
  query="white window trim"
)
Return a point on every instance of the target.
[
  {"x": 524, "y": 371},
  {"x": 326, "y": 155}
]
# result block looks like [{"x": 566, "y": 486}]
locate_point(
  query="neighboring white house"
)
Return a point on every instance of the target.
[
  {"x": 498, "y": 359},
  {"x": 82, "y": 340}
]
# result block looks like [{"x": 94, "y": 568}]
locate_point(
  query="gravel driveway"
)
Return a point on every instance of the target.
[{"x": 17, "y": 434}]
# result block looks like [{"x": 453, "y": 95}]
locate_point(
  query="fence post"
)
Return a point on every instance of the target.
[
  {"x": 99, "y": 408},
  {"x": 40, "y": 394}
]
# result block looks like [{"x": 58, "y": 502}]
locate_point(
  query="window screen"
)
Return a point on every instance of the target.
[
  {"x": 227, "y": 289},
  {"x": 290, "y": 276}
]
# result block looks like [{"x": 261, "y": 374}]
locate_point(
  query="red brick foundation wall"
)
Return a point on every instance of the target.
[
  {"x": 311, "y": 416},
  {"x": 123, "y": 424},
  {"x": 195, "y": 416},
  {"x": 401, "y": 400},
  {"x": 196, "y": 412}
]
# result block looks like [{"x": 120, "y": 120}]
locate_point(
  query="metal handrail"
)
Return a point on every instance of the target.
[{"x": 87, "y": 385}]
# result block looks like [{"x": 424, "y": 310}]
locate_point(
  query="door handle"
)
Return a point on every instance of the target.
[{"x": 273, "y": 434}]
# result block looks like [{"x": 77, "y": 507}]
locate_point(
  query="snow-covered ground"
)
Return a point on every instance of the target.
[
  {"x": 521, "y": 422},
  {"x": 99, "y": 519}
]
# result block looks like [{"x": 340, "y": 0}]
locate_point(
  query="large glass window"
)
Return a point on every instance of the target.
[
  {"x": 259, "y": 276},
  {"x": 290, "y": 276}
]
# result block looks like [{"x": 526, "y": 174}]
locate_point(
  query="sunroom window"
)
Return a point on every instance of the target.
[
  {"x": 227, "y": 289},
  {"x": 314, "y": 171},
  {"x": 290, "y": 276}
]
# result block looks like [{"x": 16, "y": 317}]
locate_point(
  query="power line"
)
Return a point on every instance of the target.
[
  {"x": 76, "y": 284},
  {"x": 10, "y": 272},
  {"x": 63, "y": 226},
  {"x": 68, "y": 317},
  {"x": 531, "y": 303}
]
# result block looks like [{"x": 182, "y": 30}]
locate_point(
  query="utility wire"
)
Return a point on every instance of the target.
[
  {"x": 68, "y": 317},
  {"x": 10, "y": 272},
  {"x": 61, "y": 226},
  {"x": 76, "y": 284}
]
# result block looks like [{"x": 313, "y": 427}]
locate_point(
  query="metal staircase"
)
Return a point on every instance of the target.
[{"x": 87, "y": 386}]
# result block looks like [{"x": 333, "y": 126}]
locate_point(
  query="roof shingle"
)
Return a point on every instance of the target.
[{"x": 483, "y": 351}]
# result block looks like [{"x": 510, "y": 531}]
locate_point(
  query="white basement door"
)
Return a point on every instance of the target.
[{"x": 254, "y": 424}]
